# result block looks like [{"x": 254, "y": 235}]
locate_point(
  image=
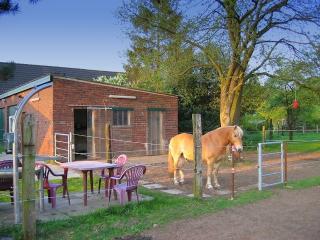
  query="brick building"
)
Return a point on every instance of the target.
[{"x": 80, "y": 112}]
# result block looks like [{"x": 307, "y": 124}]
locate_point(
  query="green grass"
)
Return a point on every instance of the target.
[
  {"x": 133, "y": 218},
  {"x": 299, "y": 144},
  {"x": 305, "y": 183}
]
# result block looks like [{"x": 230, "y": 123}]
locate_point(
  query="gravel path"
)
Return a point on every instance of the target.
[{"x": 293, "y": 215}]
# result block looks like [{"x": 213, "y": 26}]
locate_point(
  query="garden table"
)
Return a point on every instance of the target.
[{"x": 85, "y": 167}]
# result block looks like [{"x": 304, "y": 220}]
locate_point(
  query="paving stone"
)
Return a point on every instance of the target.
[
  {"x": 172, "y": 191},
  {"x": 142, "y": 182},
  {"x": 153, "y": 186},
  {"x": 203, "y": 195},
  {"x": 222, "y": 192}
]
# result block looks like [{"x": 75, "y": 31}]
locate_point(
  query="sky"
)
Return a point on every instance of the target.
[{"x": 66, "y": 33}]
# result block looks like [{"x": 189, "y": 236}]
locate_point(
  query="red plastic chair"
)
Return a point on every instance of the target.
[
  {"x": 132, "y": 176},
  {"x": 120, "y": 161},
  {"x": 52, "y": 187}
]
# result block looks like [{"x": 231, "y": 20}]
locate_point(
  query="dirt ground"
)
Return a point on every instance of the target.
[
  {"x": 299, "y": 166},
  {"x": 293, "y": 215},
  {"x": 289, "y": 214}
]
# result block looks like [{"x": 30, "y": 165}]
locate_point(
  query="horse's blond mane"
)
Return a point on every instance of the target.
[{"x": 239, "y": 131}]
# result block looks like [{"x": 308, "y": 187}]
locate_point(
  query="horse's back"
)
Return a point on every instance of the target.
[{"x": 182, "y": 144}]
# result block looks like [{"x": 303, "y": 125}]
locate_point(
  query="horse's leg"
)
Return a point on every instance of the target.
[
  {"x": 180, "y": 164},
  {"x": 175, "y": 169},
  {"x": 215, "y": 174},
  {"x": 209, "y": 173}
]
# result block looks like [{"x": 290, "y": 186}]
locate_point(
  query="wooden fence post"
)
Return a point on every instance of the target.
[
  {"x": 107, "y": 137},
  {"x": 263, "y": 133},
  {"x": 197, "y": 133},
  {"x": 28, "y": 175}
]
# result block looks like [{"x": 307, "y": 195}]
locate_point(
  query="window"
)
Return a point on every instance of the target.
[{"x": 121, "y": 117}]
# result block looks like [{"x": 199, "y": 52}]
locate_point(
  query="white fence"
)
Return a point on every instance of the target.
[
  {"x": 262, "y": 166},
  {"x": 63, "y": 146}
]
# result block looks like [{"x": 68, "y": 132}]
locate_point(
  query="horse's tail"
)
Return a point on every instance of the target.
[{"x": 170, "y": 163}]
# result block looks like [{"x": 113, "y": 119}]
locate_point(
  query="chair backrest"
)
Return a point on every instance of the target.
[
  {"x": 6, "y": 164},
  {"x": 134, "y": 174},
  {"x": 46, "y": 171},
  {"x": 120, "y": 161}
]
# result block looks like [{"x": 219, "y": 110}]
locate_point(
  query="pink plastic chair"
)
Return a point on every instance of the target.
[
  {"x": 120, "y": 161},
  {"x": 132, "y": 176},
  {"x": 52, "y": 187}
]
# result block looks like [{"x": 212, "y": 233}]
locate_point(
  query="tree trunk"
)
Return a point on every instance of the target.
[{"x": 230, "y": 97}]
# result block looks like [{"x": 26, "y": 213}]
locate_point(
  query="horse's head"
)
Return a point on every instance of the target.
[{"x": 236, "y": 138}]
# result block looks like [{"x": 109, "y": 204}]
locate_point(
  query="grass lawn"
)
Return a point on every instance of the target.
[
  {"x": 135, "y": 218},
  {"x": 1, "y": 148}
]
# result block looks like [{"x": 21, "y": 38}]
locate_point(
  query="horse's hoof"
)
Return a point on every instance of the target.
[
  {"x": 181, "y": 181},
  {"x": 175, "y": 182},
  {"x": 217, "y": 186},
  {"x": 209, "y": 186}
]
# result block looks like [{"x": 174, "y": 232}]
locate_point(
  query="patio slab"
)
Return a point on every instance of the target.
[
  {"x": 173, "y": 191},
  {"x": 154, "y": 186},
  {"x": 64, "y": 210}
]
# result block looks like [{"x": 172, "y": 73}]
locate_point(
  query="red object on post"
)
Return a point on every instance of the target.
[{"x": 295, "y": 104}]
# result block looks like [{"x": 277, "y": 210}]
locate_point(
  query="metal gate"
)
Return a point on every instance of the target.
[
  {"x": 63, "y": 146},
  {"x": 264, "y": 171}
]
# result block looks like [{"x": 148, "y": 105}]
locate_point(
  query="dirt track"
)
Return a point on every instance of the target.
[{"x": 293, "y": 215}]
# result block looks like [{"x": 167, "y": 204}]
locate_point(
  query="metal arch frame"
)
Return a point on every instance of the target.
[{"x": 17, "y": 116}]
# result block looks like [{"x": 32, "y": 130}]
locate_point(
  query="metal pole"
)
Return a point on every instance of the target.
[
  {"x": 260, "y": 166},
  {"x": 232, "y": 173},
  {"x": 24, "y": 101},
  {"x": 285, "y": 163},
  {"x": 70, "y": 147},
  {"x": 282, "y": 165},
  {"x": 41, "y": 191}
]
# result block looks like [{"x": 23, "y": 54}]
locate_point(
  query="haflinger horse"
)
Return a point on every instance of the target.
[{"x": 214, "y": 145}]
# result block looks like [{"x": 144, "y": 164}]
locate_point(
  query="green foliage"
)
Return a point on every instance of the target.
[
  {"x": 120, "y": 79},
  {"x": 7, "y": 71}
]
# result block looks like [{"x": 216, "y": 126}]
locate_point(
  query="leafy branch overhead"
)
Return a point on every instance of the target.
[
  {"x": 239, "y": 39},
  {"x": 7, "y": 71}
]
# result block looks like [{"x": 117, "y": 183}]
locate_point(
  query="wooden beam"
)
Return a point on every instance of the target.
[
  {"x": 197, "y": 133},
  {"x": 28, "y": 175}
]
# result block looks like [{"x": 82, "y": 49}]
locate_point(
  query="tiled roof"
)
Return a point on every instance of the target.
[{"x": 27, "y": 72}]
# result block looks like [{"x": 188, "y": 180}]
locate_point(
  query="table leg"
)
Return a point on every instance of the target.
[
  {"x": 85, "y": 195},
  {"x": 65, "y": 171},
  {"x": 110, "y": 185},
  {"x": 91, "y": 181}
]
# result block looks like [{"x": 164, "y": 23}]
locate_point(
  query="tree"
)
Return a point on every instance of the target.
[
  {"x": 235, "y": 36},
  {"x": 11, "y": 7},
  {"x": 119, "y": 79},
  {"x": 155, "y": 58},
  {"x": 7, "y": 71}
]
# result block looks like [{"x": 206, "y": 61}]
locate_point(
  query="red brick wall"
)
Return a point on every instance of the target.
[
  {"x": 58, "y": 116},
  {"x": 41, "y": 108},
  {"x": 68, "y": 93}
]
